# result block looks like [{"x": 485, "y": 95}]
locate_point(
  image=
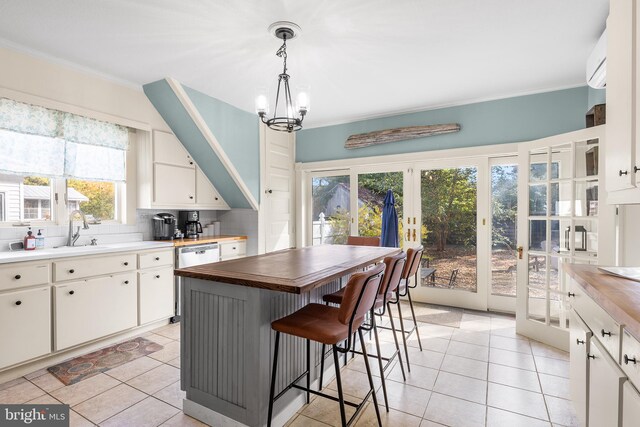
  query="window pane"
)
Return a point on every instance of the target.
[
  {"x": 93, "y": 198},
  {"x": 331, "y": 216},
  {"x": 372, "y": 190},
  {"x": 27, "y": 198},
  {"x": 504, "y": 209}
]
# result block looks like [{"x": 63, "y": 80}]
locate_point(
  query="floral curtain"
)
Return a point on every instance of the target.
[{"x": 39, "y": 141}]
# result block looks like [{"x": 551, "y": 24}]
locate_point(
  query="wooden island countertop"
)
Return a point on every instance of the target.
[
  {"x": 291, "y": 270},
  {"x": 619, "y": 297}
]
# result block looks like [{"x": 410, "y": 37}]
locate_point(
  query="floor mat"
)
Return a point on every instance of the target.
[{"x": 88, "y": 365}]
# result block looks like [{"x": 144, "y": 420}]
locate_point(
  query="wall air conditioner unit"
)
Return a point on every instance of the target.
[{"x": 597, "y": 64}]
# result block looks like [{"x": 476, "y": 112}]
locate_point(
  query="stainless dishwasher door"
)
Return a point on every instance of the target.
[{"x": 189, "y": 256}]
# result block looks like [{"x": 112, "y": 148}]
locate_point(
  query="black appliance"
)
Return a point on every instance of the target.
[
  {"x": 164, "y": 226},
  {"x": 189, "y": 223}
]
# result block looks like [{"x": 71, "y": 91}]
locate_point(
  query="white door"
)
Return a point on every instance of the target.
[
  {"x": 560, "y": 220},
  {"x": 449, "y": 200},
  {"x": 279, "y": 189}
]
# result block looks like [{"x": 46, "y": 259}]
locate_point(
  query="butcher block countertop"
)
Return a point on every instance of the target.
[
  {"x": 617, "y": 296},
  {"x": 208, "y": 239},
  {"x": 292, "y": 270}
]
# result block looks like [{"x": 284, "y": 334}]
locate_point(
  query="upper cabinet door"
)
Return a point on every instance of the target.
[
  {"x": 206, "y": 194},
  {"x": 173, "y": 185},
  {"x": 621, "y": 97},
  {"x": 168, "y": 149}
]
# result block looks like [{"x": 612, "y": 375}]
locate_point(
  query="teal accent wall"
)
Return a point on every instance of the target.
[
  {"x": 235, "y": 130},
  {"x": 597, "y": 96},
  {"x": 502, "y": 121}
]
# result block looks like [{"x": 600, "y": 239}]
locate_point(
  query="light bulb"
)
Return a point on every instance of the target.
[
  {"x": 262, "y": 104},
  {"x": 302, "y": 102}
]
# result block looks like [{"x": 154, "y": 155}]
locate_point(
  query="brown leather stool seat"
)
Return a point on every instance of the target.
[
  {"x": 386, "y": 294},
  {"x": 330, "y": 326},
  {"x": 316, "y": 322}
]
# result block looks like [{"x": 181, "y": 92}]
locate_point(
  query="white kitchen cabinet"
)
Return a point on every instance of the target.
[
  {"x": 169, "y": 178},
  {"x": 81, "y": 267},
  {"x": 233, "y": 249},
  {"x": 22, "y": 274},
  {"x": 623, "y": 98},
  {"x": 156, "y": 259},
  {"x": 168, "y": 149},
  {"x": 206, "y": 194},
  {"x": 630, "y": 406},
  {"x": 25, "y": 325},
  {"x": 155, "y": 295},
  {"x": 579, "y": 347},
  {"x": 89, "y": 309},
  {"x": 605, "y": 387},
  {"x": 174, "y": 185}
]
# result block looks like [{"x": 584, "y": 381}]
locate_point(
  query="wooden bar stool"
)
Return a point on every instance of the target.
[
  {"x": 414, "y": 255},
  {"x": 363, "y": 241},
  {"x": 394, "y": 266},
  {"x": 330, "y": 326}
]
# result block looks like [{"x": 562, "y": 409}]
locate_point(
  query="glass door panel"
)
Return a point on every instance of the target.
[
  {"x": 449, "y": 226},
  {"x": 330, "y": 209},
  {"x": 372, "y": 190},
  {"x": 504, "y": 210}
]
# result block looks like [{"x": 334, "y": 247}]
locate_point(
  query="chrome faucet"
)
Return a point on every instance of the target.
[{"x": 73, "y": 237}]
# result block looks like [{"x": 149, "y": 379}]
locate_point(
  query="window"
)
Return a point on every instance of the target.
[
  {"x": 94, "y": 198},
  {"x": 52, "y": 156},
  {"x": 2, "y": 207}
]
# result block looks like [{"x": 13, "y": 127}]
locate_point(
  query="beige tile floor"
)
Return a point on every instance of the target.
[{"x": 480, "y": 374}]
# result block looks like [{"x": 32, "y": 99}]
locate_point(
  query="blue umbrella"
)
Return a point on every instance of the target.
[{"x": 389, "y": 233}]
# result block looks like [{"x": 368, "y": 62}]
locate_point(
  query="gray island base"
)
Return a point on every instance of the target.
[{"x": 226, "y": 337}]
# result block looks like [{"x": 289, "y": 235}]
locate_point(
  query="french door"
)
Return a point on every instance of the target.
[
  {"x": 561, "y": 220},
  {"x": 449, "y": 202}
]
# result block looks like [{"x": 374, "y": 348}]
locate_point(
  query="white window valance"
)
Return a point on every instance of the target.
[{"x": 40, "y": 141}]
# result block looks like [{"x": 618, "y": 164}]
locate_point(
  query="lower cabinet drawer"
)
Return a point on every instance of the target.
[
  {"x": 79, "y": 268},
  {"x": 25, "y": 325},
  {"x": 155, "y": 259},
  {"x": 22, "y": 274},
  {"x": 631, "y": 357},
  {"x": 89, "y": 309},
  {"x": 235, "y": 249},
  {"x": 605, "y": 387},
  {"x": 155, "y": 295}
]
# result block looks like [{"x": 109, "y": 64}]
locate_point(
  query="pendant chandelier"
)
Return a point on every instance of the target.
[{"x": 284, "y": 117}]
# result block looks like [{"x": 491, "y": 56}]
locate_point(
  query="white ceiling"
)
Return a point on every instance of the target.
[{"x": 360, "y": 58}]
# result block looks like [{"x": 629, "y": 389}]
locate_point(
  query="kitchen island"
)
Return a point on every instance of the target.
[{"x": 226, "y": 336}]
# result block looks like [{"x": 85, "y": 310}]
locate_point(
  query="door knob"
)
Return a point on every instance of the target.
[
  {"x": 414, "y": 234},
  {"x": 520, "y": 252},
  {"x": 408, "y": 235}
]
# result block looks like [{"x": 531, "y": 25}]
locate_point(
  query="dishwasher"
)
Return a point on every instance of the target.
[{"x": 189, "y": 256}]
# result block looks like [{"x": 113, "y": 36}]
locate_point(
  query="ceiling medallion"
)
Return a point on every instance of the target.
[{"x": 284, "y": 114}]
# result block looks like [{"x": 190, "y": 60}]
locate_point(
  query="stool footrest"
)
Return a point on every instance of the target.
[
  {"x": 407, "y": 332},
  {"x": 290, "y": 386}
]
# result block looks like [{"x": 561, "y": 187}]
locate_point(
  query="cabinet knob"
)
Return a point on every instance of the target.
[
  {"x": 571, "y": 294},
  {"x": 18, "y": 302},
  {"x": 628, "y": 359},
  {"x": 157, "y": 258},
  {"x": 72, "y": 292},
  {"x": 636, "y": 169},
  {"x": 603, "y": 332},
  {"x": 17, "y": 277},
  {"x": 72, "y": 271},
  {"x": 126, "y": 263},
  {"x": 126, "y": 282},
  {"x": 191, "y": 197},
  {"x": 270, "y": 191},
  {"x": 190, "y": 163},
  {"x": 216, "y": 198},
  {"x": 590, "y": 356},
  {"x": 621, "y": 172},
  {"x": 157, "y": 276},
  {"x": 579, "y": 341}
]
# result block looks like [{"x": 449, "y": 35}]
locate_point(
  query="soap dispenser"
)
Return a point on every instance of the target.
[
  {"x": 39, "y": 240},
  {"x": 29, "y": 241}
]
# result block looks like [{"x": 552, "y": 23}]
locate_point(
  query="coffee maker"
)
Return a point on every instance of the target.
[
  {"x": 164, "y": 226},
  {"x": 189, "y": 223}
]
